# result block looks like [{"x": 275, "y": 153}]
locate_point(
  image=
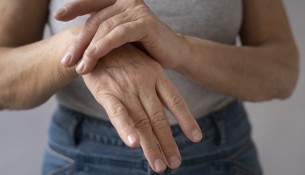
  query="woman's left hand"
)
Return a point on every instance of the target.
[
  {"x": 134, "y": 89},
  {"x": 115, "y": 23}
]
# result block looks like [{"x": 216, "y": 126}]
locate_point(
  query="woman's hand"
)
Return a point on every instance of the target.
[
  {"x": 264, "y": 68},
  {"x": 133, "y": 88},
  {"x": 114, "y": 23}
]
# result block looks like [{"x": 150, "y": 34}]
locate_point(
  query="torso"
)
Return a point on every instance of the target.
[{"x": 215, "y": 20}]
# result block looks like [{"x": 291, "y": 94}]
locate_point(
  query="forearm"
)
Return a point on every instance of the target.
[
  {"x": 31, "y": 74},
  {"x": 247, "y": 73}
]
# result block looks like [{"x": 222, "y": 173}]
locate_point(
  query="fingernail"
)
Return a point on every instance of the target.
[
  {"x": 131, "y": 139},
  {"x": 174, "y": 162},
  {"x": 61, "y": 11},
  {"x": 66, "y": 59},
  {"x": 197, "y": 135},
  {"x": 92, "y": 50},
  {"x": 159, "y": 165},
  {"x": 80, "y": 66}
]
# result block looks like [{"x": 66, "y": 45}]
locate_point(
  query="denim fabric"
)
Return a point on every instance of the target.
[{"x": 82, "y": 145}]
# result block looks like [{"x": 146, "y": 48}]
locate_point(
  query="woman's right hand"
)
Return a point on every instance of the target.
[
  {"x": 114, "y": 23},
  {"x": 133, "y": 88}
]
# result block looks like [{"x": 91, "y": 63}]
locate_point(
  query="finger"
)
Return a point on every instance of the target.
[
  {"x": 80, "y": 8},
  {"x": 177, "y": 106},
  {"x": 121, "y": 34},
  {"x": 75, "y": 51},
  {"x": 77, "y": 47},
  {"x": 90, "y": 59},
  {"x": 129, "y": 26},
  {"x": 161, "y": 128},
  {"x": 141, "y": 123},
  {"x": 118, "y": 116}
]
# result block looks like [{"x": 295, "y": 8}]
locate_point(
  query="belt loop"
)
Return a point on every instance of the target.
[
  {"x": 220, "y": 127},
  {"x": 74, "y": 125}
]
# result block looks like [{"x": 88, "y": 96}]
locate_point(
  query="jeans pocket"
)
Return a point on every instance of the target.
[
  {"x": 56, "y": 163},
  {"x": 241, "y": 168},
  {"x": 245, "y": 161}
]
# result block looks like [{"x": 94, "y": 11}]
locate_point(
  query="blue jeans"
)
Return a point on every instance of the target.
[{"x": 82, "y": 145}]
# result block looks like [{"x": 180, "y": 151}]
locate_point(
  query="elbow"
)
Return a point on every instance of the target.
[
  {"x": 281, "y": 84},
  {"x": 292, "y": 71},
  {"x": 279, "y": 77},
  {"x": 286, "y": 80},
  {"x": 285, "y": 92},
  {"x": 287, "y": 88},
  {"x": 281, "y": 92}
]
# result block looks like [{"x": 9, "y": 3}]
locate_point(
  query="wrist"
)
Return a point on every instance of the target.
[
  {"x": 57, "y": 46},
  {"x": 185, "y": 55}
]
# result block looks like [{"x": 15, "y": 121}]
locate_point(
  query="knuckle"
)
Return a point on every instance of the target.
[
  {"x": 142, "y": 22},
  {"x": 150, "y": 152},
  {"x": 91, "y": 61},
  {"x": 177, "y": 101},
  {"x": 118, "y": 110},
  {"x": 105, "y": 42},
  {"x": 93, "y": 21},
  {"x": 159, "y": 120},
  {"x": 93, "y": 57},
  {"x": 107, "y": 26},
  {"x": 125, "y": 15},
  {"x": 76, "y": 43},
  {"x": 142, "y": 124},
  {"x": 122, "y": 30}
]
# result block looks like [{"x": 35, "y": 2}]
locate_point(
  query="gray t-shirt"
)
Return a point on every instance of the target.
[{"x": 216, "y": 20}]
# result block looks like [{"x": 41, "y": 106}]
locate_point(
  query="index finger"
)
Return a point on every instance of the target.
[{"x": 77, "y": 48}]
